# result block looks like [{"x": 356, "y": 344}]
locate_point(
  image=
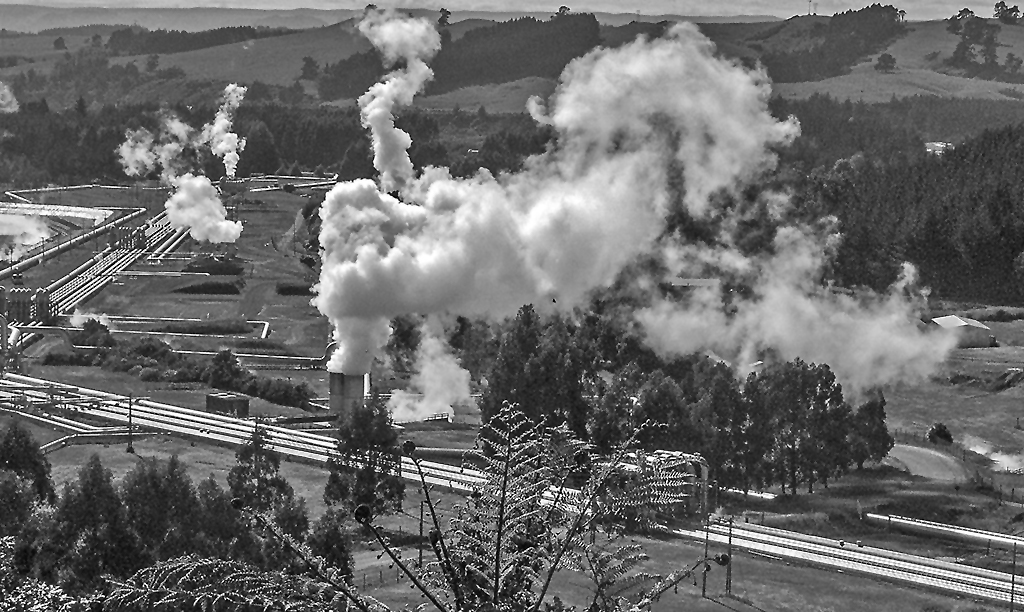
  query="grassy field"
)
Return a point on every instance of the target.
[{"x": 500, "y": 98}]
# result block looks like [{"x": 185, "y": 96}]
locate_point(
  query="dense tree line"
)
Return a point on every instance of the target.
[
  {"x": 140, "y": 41},
  {"x": 958, "y": 217},
  {"x": 786, "y": 424},
  {"x": 153, "y": 360},
  {"x": 96, "y": 527},
  {"x": 846, "y": 39},
  {"x": 496, "y": 54}
]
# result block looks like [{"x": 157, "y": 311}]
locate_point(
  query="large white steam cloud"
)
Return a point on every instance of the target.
[
  {"x": 20, "y": 232},
  {"x": 867, "y": 340},
  {"x": 641, "y": 129},
  {"x": 8, "y": 103},
  {"x": 195, "y": 204}
]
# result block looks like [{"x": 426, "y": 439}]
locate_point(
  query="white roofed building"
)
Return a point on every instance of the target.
[{"x": 970, "y": 333}]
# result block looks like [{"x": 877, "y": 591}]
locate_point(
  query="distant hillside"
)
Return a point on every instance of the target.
[
  {"x": 500, "y": 53},
  {"x": 24, "y": 18},
  {"x": 276, "y": 61},
  {"x": 140, "y": 41},
  {"x": 27, "y": 18}
]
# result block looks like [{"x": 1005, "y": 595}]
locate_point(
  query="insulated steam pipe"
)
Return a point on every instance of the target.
[{"x": 21, "y": 266}]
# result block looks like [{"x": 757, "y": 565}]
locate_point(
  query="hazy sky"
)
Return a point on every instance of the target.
[{"x": 916, "y": 9}]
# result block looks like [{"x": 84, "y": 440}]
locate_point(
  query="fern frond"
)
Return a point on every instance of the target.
[{"x": 192, "y": 583}]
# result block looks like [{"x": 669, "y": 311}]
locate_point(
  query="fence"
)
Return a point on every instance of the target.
[
  {"x": 959, "y": 451},
  {"x": 920, "y": 438}
]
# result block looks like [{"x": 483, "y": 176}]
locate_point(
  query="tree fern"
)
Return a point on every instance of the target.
[
  {"x": 497, "y": 535},
  {"x": 191, "y": 583}
]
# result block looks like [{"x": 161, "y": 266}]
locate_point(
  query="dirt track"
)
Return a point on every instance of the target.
[{"x": 928, "y": 463}]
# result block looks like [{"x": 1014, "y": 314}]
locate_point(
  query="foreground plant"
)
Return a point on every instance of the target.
[{"x": 539, "y": 505}]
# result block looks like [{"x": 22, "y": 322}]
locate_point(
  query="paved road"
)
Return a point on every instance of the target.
[{"x": 929, "y": 463}]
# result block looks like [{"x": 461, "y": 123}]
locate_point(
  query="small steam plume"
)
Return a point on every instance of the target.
[
  {"x": 223, "y": 142},
  {"x": 196, "y": 202},
  {"x": 644, "y": 130},
  {"x": 18, "y": 232},
  {"x": 196, "y": 205},
  {"x": 8, "y": 103},
  {"x": 415, "y": 41},
  {"x": 438, "y": 384},
  {"x": 79, "y": 318},
  {"x": 143, "y": 152}
]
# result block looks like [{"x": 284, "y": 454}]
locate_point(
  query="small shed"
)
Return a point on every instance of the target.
[
  {"x": 228, "y": 403},
  {"x": 970, "y": 333}
]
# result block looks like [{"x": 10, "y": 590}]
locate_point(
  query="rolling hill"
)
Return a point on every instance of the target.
[{"x": 920, "y": 52}]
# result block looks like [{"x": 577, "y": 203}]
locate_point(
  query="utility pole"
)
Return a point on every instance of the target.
[
  {"x": 130, "y": 449},
  {"x": 728, "y": 568},
  {"x": 1013, "y": 577},
  {"x": 704, "y": 571},
  {"x": 420, "y": 541}
]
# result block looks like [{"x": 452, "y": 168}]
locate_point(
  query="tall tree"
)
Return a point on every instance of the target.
[
  {"x": 20, "y": 454},
  {"x": 375, "y": 480},
  {"x": 869, "y": 436},
  {"x": 256, "y": 479},
  {"x": 94, "y": 529},
  {"x": 169, "y": 528}
]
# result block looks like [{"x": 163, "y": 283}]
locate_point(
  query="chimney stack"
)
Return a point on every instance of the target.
[{"x": 347, "y": 392}]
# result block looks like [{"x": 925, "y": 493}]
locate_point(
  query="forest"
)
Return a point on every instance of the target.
[
  {"x": 495, "y": 54},
  {"x": 843, "y": 41},
  {"x": 140, "y": 41}
]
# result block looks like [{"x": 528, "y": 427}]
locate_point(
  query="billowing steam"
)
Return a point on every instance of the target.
[
  {"x": 196, "y": 205},
  {"x": 196, "y": 202},
  {"x": 438, "y": 384},
  {"x": 8, "y": 103},
  {"x": 143, "y": 152},
  {"x": 415, "y": 41},
  {"x": 867, "y": 340},
  {"x": 18, "y": 233},
  {"x": 224, "y": 143},
  {"x": 642, "y": 130},
  {"x": 80, "y": 317}
]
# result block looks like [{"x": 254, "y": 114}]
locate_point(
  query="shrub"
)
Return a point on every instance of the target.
[
  {"x": 218, "y": 326},
  {"x": 294, "y": 288},
  {"x": 213, "y": 287},
  {"x": 219, "y": 266},
  {"x": 939, "y": 432}
]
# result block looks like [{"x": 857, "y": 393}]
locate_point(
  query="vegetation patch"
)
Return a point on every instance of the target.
[
  {"x": 216, "y": 265},
  {"x": 213, "y": 287},
  {"x": 153, "y": 361},
  {"x": 220, "y": 326},
  {"x": 264, "y": 346},
  {"x": 294, "y": 288}
]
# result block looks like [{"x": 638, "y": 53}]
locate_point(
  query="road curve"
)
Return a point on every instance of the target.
[{"x": 929, "y": 463}]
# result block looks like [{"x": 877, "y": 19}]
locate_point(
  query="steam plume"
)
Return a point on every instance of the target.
[
  {"x": 196, "y": 205},
  {"x": 143, "y": 152},
  {"x": 17, "y": 232},
  {"x": 79, "y": 318},
  {"x": 397, "y": 37},
  {"x": 438, "y": 384},
  {"x": 223, "y": 142},
  {"x": 8, "y": 103},
  {"x": 643, "y": 130},
  {"x": 867, "y": 340}
]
